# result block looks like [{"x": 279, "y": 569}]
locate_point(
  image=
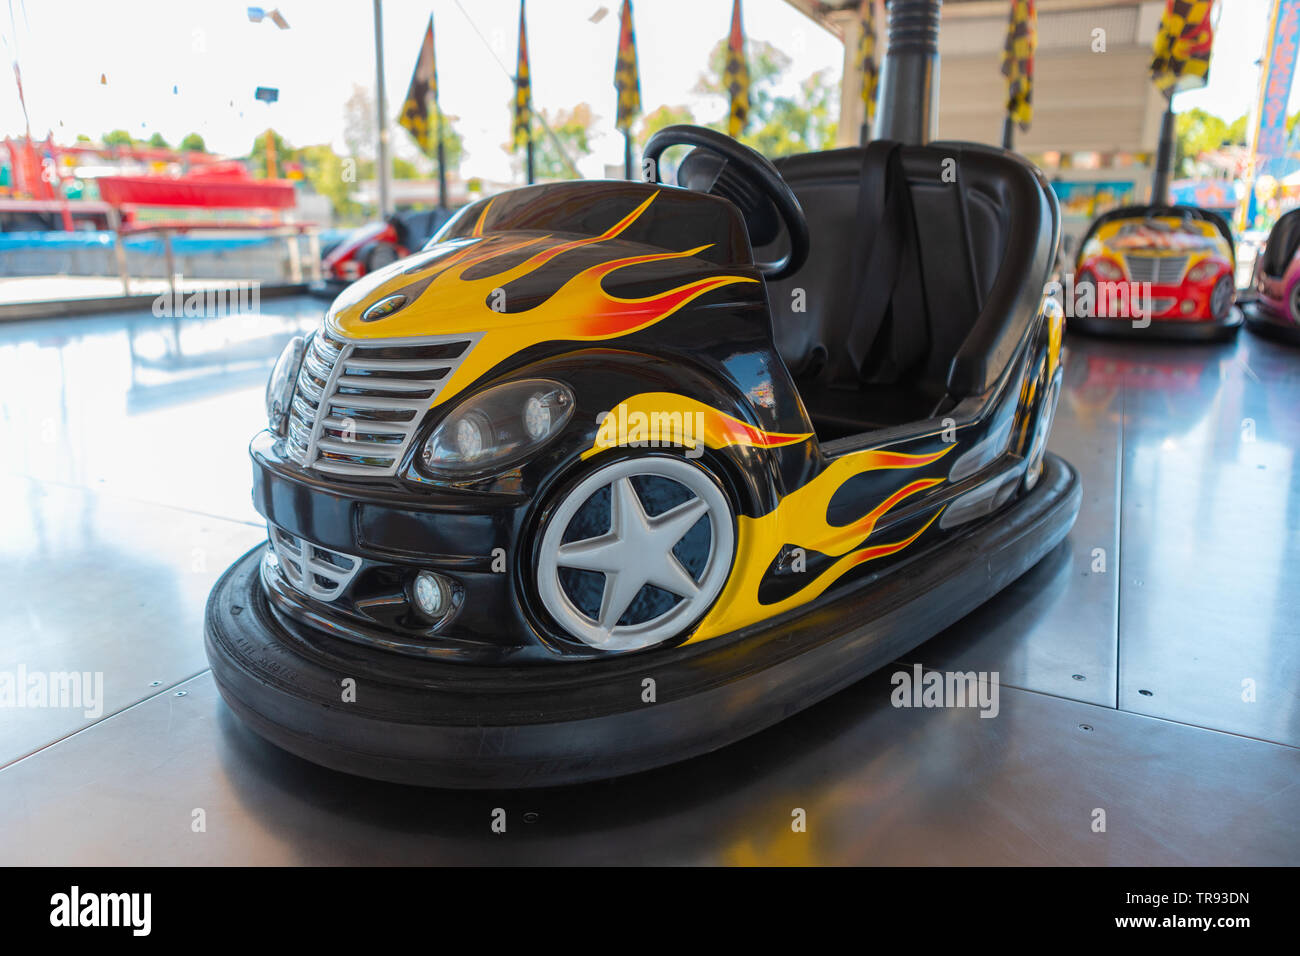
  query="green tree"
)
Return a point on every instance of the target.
[
  {"x": 453, "y": 148},
  {"x": 117, "y": 137},
  {"x": 573, "y": 130},
  {"x": 257, "y": 155},
  {"x": 194, "y": 143},
  {"x": 1197, "y": 131},
  {"x": 778, "y": 125},
  {"x": 329, "y": 177},
  {"x": 656, "y": 120},
  {"x": 158, "y": 142}
]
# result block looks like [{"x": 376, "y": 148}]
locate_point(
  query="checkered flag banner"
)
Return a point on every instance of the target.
[
  {"x": 737, "y": 74},
  {"x": 422, "y": 98},
  {"x": 867, "y": 60},
  {"x": 523, "y": 88},
  {"x": 627, "y": 78},
  {"x": 1181, "y": 54},
  {"x": 1018, "y": 61}
]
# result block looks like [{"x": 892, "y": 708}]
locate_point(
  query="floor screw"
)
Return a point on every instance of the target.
[
  {"x": 181, "y": 693},
  {"x": 1145, "y": 693},
  {"x": 1086, "y": 727},
  {"x": 1078, "y": 677}
]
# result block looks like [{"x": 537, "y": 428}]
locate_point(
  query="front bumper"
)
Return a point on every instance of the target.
[
  {"x": 1271, "y": 323},
  {"x": 1178, "y": 330},
  {"x": 436, "y": 724},
  {"x": 395, "y": 531}
]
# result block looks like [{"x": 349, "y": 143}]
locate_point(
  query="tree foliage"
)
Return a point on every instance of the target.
[
  {"x": 779, "y": 124},
  {"x": 1197, "y": 131},
  {"x": 572, "y": 128}
]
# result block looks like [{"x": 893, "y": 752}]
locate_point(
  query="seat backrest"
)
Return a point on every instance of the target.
[
  {"x": 1283, "y": 239},
  {"x": 988, "y": 227}
]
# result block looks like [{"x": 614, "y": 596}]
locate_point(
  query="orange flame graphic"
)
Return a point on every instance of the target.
[{"x": 580, "y": 309}]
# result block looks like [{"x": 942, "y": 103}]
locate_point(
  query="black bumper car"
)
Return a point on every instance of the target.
[{"x": 583, "y": 488}]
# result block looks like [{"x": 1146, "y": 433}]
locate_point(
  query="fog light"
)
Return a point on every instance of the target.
[
  {"x": 1188, "y": 306},
  {"x": 432, "y": 593}
]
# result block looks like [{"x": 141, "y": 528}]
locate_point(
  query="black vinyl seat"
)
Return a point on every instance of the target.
[
  {"x": 1283, "y": 239},
  {"x": 912, "y": 299}
]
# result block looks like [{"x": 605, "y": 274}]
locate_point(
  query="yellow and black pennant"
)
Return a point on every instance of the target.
[
  {"x": 523, "y": 88},
  {"x": 1018, "y": 61},
  {"x": 420, "y": 110},
  {"x": 737, "y": 74},
  {"x": 867, "y": 60},
  {"x": 1181, "y": 53},
  {"x": 627, "y": 78}
]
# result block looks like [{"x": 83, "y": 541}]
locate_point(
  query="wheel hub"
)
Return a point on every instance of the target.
[{"x": 636, "y": 553}]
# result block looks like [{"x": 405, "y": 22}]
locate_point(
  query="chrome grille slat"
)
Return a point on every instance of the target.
[
  {"x": 386, "y": 384},
  {"x": 387, "y": 428},
  {"x": 375, "y": 401},
  {"x": 1158, "y": 270},
  {"x": 316, "y": 571},
  {"x": 348, "y": 417},
  {"x": 354, "y": 447},
  {"x": 400, "y": 365}
]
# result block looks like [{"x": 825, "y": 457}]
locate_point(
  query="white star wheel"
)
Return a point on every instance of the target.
[{"x": 656, "y": 584}]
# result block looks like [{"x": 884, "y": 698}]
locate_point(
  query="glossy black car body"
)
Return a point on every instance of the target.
[{"x": 853, "y": 489}]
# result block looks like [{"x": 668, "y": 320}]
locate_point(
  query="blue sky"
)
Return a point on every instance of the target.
[{"x": 213, "y": 57}]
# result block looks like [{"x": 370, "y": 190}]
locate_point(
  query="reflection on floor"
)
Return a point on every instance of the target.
[{"x": 1150, "y": 666}]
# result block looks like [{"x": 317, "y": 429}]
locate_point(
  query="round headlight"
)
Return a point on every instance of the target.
[
  {"x": 279, "y": 387},
  {"x": 497, "y": 428},
  {"x": 469, "y": 437},
  {"x": 431, "y": 594},
  {"x": 537, "y": 416}
]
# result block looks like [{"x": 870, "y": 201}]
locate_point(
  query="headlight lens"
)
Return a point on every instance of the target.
[
  {"x": 1203, "y": 271},
  {"x": 1107, "y": 270},
  {"x": 279, "y": 387},
  {"x": 498, "y": 428}
]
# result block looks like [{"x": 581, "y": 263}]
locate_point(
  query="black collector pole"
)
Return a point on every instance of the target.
[
  {"x": 442, "y": 165},
  {"x": 909, "y": 76},
  {"x": 1164, "y": 156}
]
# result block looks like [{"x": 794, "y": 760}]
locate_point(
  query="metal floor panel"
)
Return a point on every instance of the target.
[
  {"x": 878, "y": 784},
  {"x": 1054, "y": 629},
  {"x": 129, "y": 493},
  {"x": 1211, "y": 530},
  {"x": 154, "y": 409},
  {"x": 98, "y": 585}
]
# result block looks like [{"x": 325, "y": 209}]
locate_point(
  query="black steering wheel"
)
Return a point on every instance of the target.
[{"x": 723, "y": 167}]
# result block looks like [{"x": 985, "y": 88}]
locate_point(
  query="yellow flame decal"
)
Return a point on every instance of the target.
[
  {"x": 579, "y": 309},
  {"x": 800, "y": 519},
  {"x": 665, "y": 418}
]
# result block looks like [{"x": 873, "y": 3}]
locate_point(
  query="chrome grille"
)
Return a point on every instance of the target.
[
  {"x": 356, "y": 404},
  {"x": 1158, "y": 270},
  {"x": 315, "y": 571}
]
